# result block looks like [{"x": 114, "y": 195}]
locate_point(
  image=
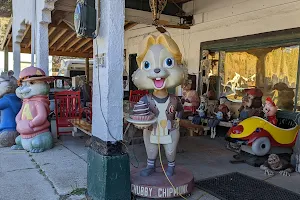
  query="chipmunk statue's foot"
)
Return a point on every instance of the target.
[
  {"x": 171, "y": 169},
  {"x": 150, "y": 169}
]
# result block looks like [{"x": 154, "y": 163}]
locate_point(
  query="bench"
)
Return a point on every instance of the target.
[{"x": 83, "y": 126}]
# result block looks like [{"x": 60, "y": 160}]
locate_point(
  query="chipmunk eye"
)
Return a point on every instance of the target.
[
  {"x": 169, "y": 62},
  {"x": 146, "y": 65}
]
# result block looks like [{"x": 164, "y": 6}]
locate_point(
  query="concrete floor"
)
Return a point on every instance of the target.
[{"x": 61, "y": 171}]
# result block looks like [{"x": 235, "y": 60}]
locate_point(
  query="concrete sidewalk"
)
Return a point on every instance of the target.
[{"x": 61, "y": 173}]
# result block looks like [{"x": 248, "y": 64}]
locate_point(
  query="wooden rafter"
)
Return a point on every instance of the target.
[
  {"x": 57, "y": 37},
  {"x": 59, "y": 53},
  {"x": 129, "y": 25},
  {"x": 64, "y": 41},
  {"x": 72, "y": 44},
  {"x": 81, "y": 44},
  {"x": 88, "y": 47},
  {"x": 25, "y": 32},
  {"x": 51, "y": 30}
]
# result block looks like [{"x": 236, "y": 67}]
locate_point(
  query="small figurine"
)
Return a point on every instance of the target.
[
  {"x": 190, "y": 98},
  {"x": 270, "y": 110},
  {"x": 274, "y": 163},
  {"x": 202, "y": 110},
  {"x": 223, "y": 108},
  {"x": 160, "y": 68},
  {"x": 222, "y": 114},
  {"x": 203, "y": 106},
  {"x": 32, "y": 120},
  {"x": 10, "y": 105},
  {"x": 252, "y": 104}
]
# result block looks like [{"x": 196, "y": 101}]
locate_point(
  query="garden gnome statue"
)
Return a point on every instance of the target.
[
  {"x": 270, "y": 111},
  {"x": 32, "y": 120},
  {"x": 10, "y": 105},
  {"x": 160, "y": 68}
]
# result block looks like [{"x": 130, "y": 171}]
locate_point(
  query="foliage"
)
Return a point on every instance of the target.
[
  {"x": 56, "y": 60},
  {"x": 5, "y": 8},
  {"x": 3, "y": 25}
]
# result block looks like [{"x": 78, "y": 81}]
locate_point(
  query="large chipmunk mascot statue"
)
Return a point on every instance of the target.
[
  {"x": 32, "y": 120},
  {"x": 160, "y": 68}
]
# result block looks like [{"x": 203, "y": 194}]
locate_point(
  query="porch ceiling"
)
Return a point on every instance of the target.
[{"x": 63, "y": 40}]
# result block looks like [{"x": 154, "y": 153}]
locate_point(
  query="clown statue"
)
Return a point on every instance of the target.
[
  {"x": 10, "y": 105},
  {"x": 270, "y": 111},
  {"x": 32, "y": 120},
  {"x": 160, "y": 68}
]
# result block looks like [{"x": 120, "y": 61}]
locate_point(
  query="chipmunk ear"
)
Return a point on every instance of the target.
[{"x": 144, "y": 47}]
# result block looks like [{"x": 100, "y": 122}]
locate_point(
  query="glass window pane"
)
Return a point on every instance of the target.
[{"x": 273, "y": 70}]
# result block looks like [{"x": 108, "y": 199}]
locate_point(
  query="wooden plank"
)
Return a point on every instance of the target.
[
  {"x": 51, "y": 30},
  {"x": 129, "y": 25},
  {"x": 57, "y": 37},
  {"x": 25, "y": 32},
  {"x": 59, "y": 53},
  {"x": 88, "y": 47},
  {"x": 63, "y": 42},
  {"x": 82, "y": 125},
  {"x": 82, "y": 43},
  {"x": 72, "y": 43}
]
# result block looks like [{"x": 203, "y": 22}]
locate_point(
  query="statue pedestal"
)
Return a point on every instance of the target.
[{"x": 157, "y": 185}]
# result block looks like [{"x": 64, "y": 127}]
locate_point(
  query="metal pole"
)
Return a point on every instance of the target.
[
  {"x": 6, "y": 59},
  {"x": 33, "y": 32},
  {"x": 87, "y": 70},
  {"x": 297, "y": 83}
]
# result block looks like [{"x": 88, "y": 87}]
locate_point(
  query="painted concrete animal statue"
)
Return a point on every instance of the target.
[
  {"x": 32, "y": 120},
  {"x": 160, "y": 68},
  {"x": 10, "y": 105}
]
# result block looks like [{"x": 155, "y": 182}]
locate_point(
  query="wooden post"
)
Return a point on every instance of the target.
[
  {"x": 108, "y": 165},
  {"x": 6, "y": 59}
]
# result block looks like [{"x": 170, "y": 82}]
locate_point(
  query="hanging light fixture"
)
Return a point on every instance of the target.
[{"x": 157, "y": 6}]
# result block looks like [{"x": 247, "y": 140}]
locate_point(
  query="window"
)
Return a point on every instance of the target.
[{"x": 273, "y": 70}]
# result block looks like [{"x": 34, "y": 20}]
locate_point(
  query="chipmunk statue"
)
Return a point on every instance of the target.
[
  {"x": 160, "y": 68},
  {"x": 10, "y": 105},
  {"x": 32, "y": 120}
]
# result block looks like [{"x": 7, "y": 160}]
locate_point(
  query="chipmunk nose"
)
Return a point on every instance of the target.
[{"x": 157, "y": 70}]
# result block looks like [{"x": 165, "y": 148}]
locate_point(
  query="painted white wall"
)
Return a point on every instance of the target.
[{"x": 220, "y": 19}]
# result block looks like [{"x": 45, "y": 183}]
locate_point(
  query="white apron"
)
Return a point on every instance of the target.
[{"x": 161, "y": 128}]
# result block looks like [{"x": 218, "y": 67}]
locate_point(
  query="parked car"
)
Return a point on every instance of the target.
[{"x": 261, "y": 135}]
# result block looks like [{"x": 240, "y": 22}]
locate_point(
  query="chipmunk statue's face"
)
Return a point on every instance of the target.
[{"x": 159, "y": 64}]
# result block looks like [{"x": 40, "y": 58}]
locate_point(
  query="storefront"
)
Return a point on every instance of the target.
[{"x": 268, "y": 61}]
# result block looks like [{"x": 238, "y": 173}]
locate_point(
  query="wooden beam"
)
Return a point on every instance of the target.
[
  {"x": 59, "y": 35},
  {"x": 62, "y": 25},
  {"x": 72, "y": 43},
  {"x": 51, "y": 30},
  {"x": 144, "y": 17},
  {"x": 9, "y": 39},
  {"x": 26, "y": 31},
  {"x": 59, "y": 53},
  {"x": 82, "y": 43},
  {"x": 130, "y": 25},
  {"x": 67, "y": 39},
  {"x": 88, "y": 47},
  {"x": 28, "y": 44}
]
